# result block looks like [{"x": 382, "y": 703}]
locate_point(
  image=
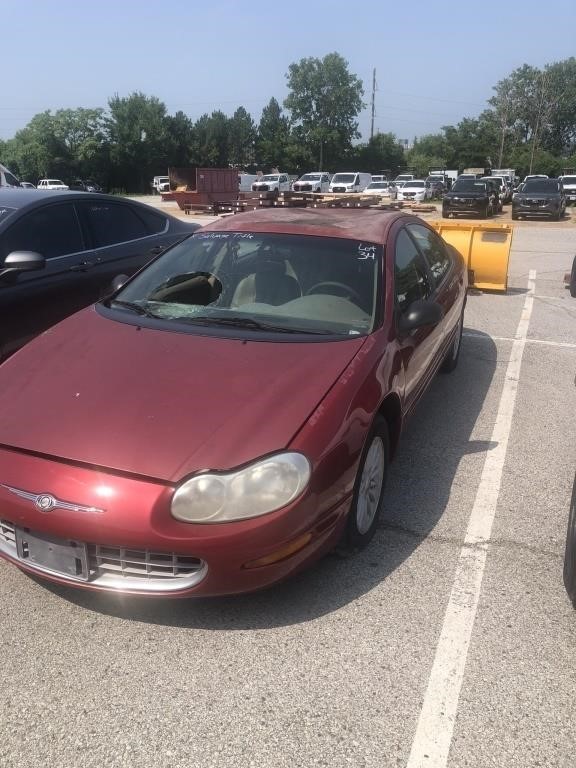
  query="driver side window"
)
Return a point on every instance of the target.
[{"x": 411, "y": 279}]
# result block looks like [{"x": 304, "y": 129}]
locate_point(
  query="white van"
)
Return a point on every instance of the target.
[
  {"x": 7, "y": 179},
  {"x": 353, "y": 181}
]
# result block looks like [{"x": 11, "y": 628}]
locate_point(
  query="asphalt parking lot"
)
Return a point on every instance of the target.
[{"x": 448, "y": 642}]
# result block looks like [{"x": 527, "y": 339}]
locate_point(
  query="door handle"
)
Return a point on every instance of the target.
[{"x": 83, "y": 266}]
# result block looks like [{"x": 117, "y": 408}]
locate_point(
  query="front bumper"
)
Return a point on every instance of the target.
[
  {"x": 536, "y": 207},
  {"x": 470, "y": 206},
  {"x": 126, "y": 541}
]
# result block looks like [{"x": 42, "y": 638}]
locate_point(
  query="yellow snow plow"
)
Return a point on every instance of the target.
[{"x": 485, "y": 248}]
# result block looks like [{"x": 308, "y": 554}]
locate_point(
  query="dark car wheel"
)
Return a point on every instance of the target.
[
  {"x": 515, "y": 217},
  {"x": 572, "y": 286},
  {"x": 451, "y": 359},
  {"x": 570, "y": 554},
  {"x": 445, "y": 214},
  {"x": 486, "y": 212},
  {"x": 368, "y": 488}
]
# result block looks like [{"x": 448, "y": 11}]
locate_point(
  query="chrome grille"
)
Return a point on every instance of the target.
[
  {"x": 141, "y": 563},
  {"x": 125, "y": 569},
  {"x": 7, "y": 535}
]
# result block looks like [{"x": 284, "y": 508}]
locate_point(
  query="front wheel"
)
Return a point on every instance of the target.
[
  {"x": 570, "y": 554},
  {"x": 572, "y": 286},
  {"x": 368, "y": 488},
  {"x": 451, "y": 359}
]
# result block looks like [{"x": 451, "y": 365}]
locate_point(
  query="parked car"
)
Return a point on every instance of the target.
[
  {"x": 472, "y": 197},
  {"x": 535, "y": 176},
  {"x": 56, "y": 184},
  {"x": 539, "y": 197},
  {"x": 403, "y": 177},
  {"x": 229, "y": 414},
  {"x": 27, "y": 185},
  {"x": 437, "y": 186},
  {"x": 504, "y": 192},
  {"x": 569, "y": 185},
  {"x": 416, "y": 190},
  {"x": 272, "y": 182},
  {"x": 60, "y": 250},
  {"x": 312, "y": 182},
  {"x": 496, "y": 188},
  {"x": 355, "y": 181},
  {"x": 385, "y": 189}
]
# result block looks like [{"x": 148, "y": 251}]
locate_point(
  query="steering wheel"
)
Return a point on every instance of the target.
[{"x": 349, "y": 292}]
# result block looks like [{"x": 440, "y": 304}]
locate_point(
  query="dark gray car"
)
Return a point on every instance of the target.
[
  {"x": 60, "y": 251},
  {"x": 541, "y": 198}
]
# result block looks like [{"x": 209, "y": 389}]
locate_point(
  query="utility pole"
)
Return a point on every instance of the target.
[{"x": 373, "y": 98}]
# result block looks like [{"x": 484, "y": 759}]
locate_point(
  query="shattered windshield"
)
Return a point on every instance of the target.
[{"x": 255, "y": 281}]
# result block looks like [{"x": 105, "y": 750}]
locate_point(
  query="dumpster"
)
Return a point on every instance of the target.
[{"x": 485, "y": 248}]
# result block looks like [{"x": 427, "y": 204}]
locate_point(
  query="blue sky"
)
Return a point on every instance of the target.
[{"x": 436, "y": 62}]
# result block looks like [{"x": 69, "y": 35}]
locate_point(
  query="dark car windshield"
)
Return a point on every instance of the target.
[
  {"x": 284, "y": 283},
  {"x": 469, "y": 185},
  {"x": 540, "y": 185}
]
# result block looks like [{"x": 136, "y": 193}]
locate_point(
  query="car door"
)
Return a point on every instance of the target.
[
  {"x": 419, "y": 347},
  {"x": 448, "y": 280},
  {"x": 32, "y": 301},
  {"x": 123, "y": 236}
]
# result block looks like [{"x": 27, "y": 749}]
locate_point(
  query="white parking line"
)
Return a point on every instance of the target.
[
  {"x": 433, "y": 737},
  {"x": 545, "y": 342}
]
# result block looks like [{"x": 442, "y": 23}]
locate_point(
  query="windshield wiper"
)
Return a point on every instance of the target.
[
  {"x": 132, "y": 305},
  {"x": 248, "y": 322}
]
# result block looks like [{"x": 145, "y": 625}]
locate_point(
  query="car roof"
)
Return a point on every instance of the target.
[
  {"x": 19, "y": 198},
  {"x": 352, "y": 223}
]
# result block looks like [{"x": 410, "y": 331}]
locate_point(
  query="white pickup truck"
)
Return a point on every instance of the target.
[{"x": 272, "y": 182}]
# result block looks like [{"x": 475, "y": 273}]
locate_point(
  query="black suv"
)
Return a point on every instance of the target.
[
  {"x": 60, "y": 251},
  {"x": 474, "y": 197},
  {"x": 539, "y": 197}
]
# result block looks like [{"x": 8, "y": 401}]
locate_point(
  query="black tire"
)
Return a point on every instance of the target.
[
  {"x": 445, "y": 214},
  {"x": 486, "y": 213},
  {"x": 572, "y": 286},
  {"x": 570, "y": 554},
  {"x": 367, "y": 500},
  {"x": 453, "y": 354},
  {"x": 514, "y": 217}
]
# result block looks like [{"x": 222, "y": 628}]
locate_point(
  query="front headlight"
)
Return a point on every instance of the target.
[{"x": 262, "y": 487}]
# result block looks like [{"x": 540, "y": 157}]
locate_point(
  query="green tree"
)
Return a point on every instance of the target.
[
  {"x": 137, "y": 130},
  {"x": 242, "y": 139},
  {"x": 324, "y": 101},
  {"x": 273, "y": 138},
  {"x": 213, "y": 137},
  {"x": 381, "y": 153},
  {"x": 181, "y": 141}
]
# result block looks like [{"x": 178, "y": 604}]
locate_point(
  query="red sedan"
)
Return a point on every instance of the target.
[{"x": 228, "y": 415}]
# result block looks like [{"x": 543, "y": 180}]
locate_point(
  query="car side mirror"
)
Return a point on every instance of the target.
[
  {"x": 118, "y": 282},
  {"x": 419, "y": 314},
  {"x": 22, "y": 261}
]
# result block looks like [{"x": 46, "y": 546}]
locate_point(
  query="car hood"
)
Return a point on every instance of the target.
[
  {"x": 452, "y": 195},
  {"x": 161, "y": 404},
  {"x": 537, "y": 195}
]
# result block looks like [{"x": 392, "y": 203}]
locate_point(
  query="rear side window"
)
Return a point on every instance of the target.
[
  {"x": 153, "y": 221},
  {"x": 433, "y": 249},
  {"x": 112, "y": 223},
  {"x": 52, "y": 231}
]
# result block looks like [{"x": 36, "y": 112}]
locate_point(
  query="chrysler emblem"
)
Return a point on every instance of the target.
[{"x": 45, "y": 502}]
